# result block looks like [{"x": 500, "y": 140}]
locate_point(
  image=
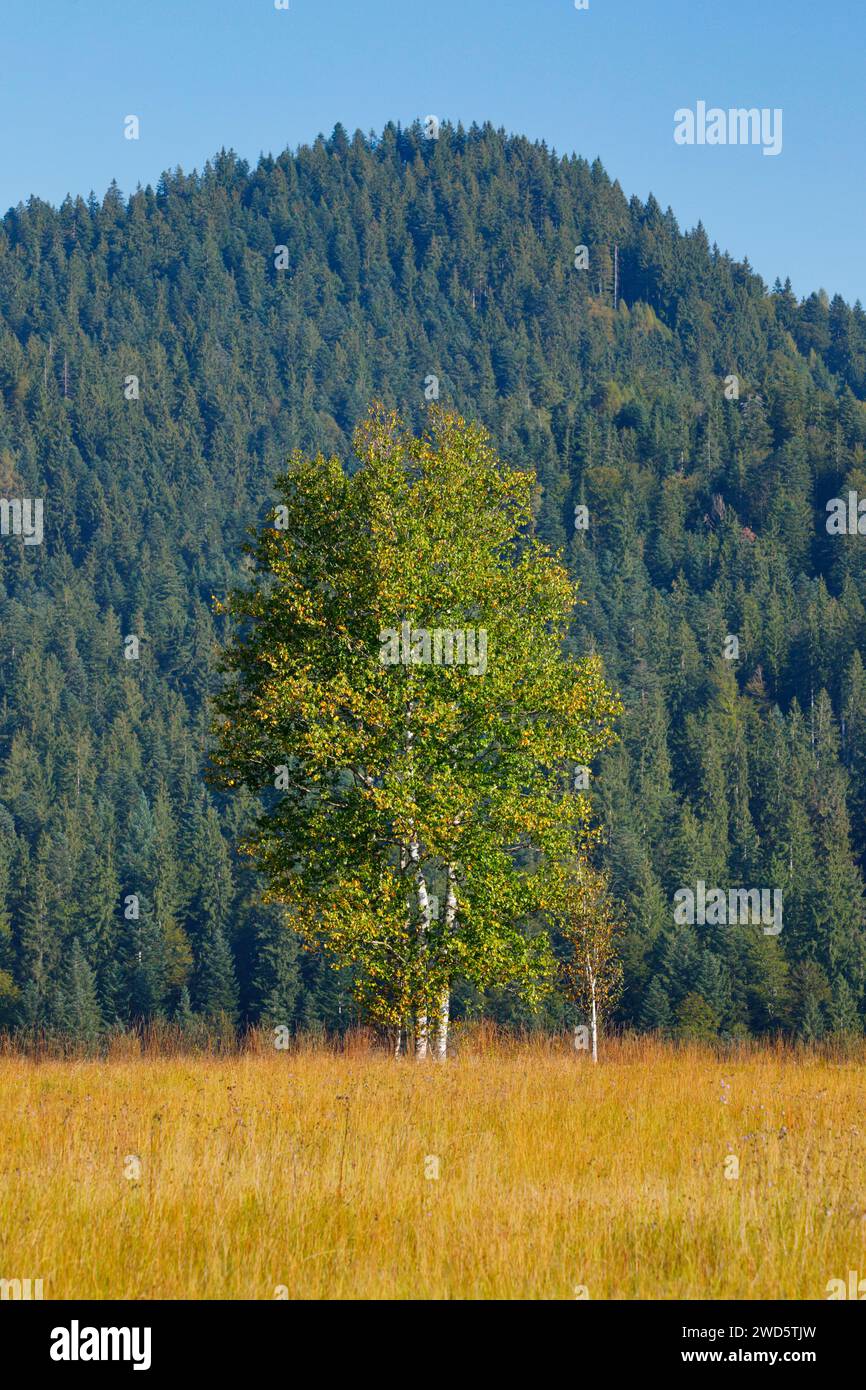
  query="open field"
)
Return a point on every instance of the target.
[{"x": 315, "y": 1171}]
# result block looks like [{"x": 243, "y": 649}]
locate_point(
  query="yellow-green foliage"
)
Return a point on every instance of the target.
[
  {"x": 411, "y": 775},
  {"x": 314, "y": 1171}
]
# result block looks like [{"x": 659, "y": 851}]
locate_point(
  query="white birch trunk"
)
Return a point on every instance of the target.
[
  {"x": 414, "y": 857},
  {"x": 442, "y": 1022},
  {"x": 422, "y": 1028},
  {"x": 444, "y": 1016},
  {"x": 594, "y": 1011}
]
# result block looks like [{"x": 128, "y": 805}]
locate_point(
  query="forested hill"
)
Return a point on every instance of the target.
[{"x": 406, "y": 259}]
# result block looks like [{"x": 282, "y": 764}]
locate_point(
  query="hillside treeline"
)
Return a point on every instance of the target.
[{"x": 157, "y": 368}]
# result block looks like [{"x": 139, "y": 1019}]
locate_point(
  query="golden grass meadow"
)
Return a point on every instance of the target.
[{"x": 516, "y": 1170}]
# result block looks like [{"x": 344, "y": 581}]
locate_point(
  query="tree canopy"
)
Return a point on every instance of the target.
[{"x": 408, "y": 771}]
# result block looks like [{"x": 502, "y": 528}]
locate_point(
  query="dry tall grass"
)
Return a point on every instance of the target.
[{"x": 315, "y": 1171}]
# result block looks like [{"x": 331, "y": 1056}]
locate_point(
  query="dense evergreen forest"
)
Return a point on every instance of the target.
[{"x": 157, "y": 368}]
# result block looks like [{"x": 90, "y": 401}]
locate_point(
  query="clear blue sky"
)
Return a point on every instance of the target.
[{"x": 202, "y": 74}]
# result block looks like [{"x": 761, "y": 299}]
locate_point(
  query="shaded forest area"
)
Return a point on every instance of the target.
[{"x": 408, "y": 258}]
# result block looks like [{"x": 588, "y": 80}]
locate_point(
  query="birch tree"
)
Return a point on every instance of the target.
[
  {"x": 592, "y": 970},
  {"x": 399, "y": 697}
]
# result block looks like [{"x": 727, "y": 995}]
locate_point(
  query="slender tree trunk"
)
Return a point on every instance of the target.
[
  {"x": 442, "y": 1021},
  {"x": 444, "y": 1011},
  {"x": 594, "y": 1014},
  {"x": 398, "y": 1045},
  {"x": 422, "y": 1028},
  {"x": 422, "y": 1034}
]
